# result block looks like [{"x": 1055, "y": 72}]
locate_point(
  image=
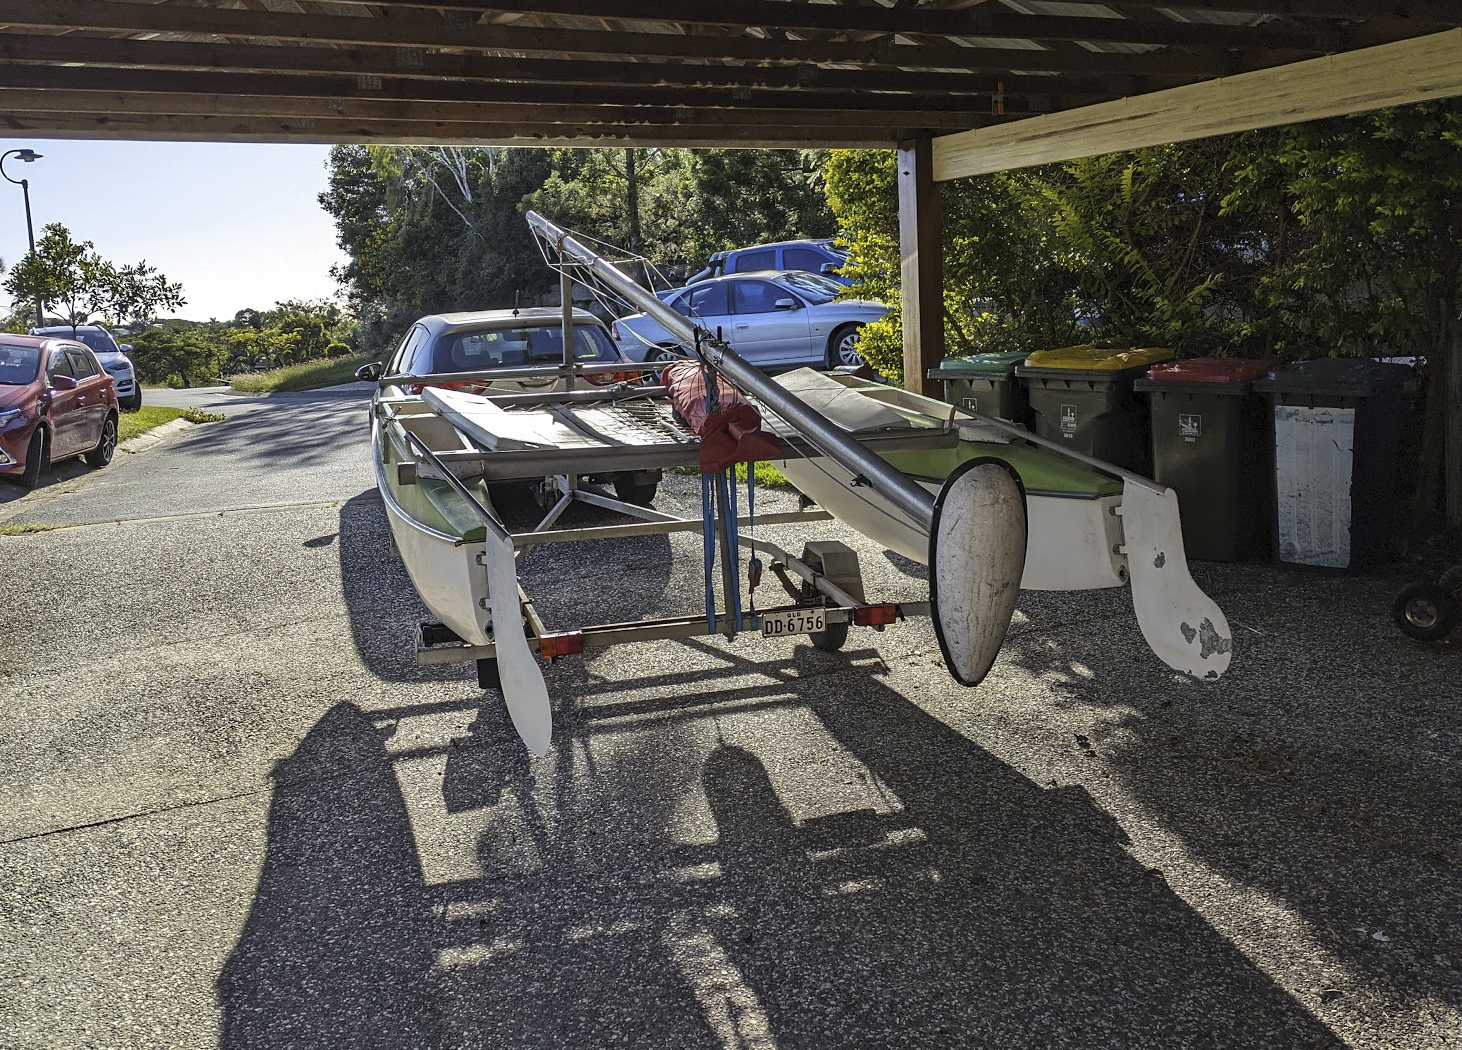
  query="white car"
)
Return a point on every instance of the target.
[
  {"x": 112, "y": 357},
  {"x": 775, "y": 319}
]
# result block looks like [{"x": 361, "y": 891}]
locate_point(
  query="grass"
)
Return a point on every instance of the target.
[
  {"x": 309, "y": 376},
  {"x": 767, "y": 476},
  {"x": 23, "y": 528},
  {"x": 147, "y": 417}
]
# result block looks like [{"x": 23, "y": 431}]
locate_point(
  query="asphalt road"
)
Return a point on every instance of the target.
[{"x": 234, "y": 813}]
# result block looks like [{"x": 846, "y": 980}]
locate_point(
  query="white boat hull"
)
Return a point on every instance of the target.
[
  {"x": 447, "y": 575},
  {"x": 1071, "y": 543}
]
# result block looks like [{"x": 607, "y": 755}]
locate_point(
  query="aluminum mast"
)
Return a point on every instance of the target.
[{"x": 899, "y": 489}]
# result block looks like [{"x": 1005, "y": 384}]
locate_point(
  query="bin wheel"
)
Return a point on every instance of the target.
[
  {"x": 1425, "y": 612},
  {"x": 487, "y": 675},
  {"x": 832, "y": 639}
]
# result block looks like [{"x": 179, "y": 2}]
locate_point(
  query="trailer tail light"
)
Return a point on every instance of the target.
[
  {"x": 875, "y": 615},
  {"x": 552, "y": 646}
]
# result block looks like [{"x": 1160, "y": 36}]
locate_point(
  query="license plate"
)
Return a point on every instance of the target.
[{"x": 793, "y": 621}]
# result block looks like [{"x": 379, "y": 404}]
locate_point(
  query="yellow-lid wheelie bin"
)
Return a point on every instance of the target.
[{"x": 1083, "y": 396}]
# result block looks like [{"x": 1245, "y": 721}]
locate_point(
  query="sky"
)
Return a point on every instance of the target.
[{"x": 237, "y": 224}]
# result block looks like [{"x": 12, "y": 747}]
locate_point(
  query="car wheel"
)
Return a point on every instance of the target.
[
  {"x": 1425, "y": 612},
  {"x": 842, "y": 347},
  {"x": 630, "y": 491},
  {"x": 37, "y": 458},
  {"x": 106, "y": 444},
  {"x": 135, "y": 401},
  {"x": 663, "y": 354}
]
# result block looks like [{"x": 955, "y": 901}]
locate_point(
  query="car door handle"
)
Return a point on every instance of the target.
[{"x": 743, "y": 326}]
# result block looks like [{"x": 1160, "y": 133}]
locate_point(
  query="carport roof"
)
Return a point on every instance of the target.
[{"x": 640, "y": 72}]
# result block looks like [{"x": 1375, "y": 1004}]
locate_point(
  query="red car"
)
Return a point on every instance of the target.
[{"x": 56, "y": 401}]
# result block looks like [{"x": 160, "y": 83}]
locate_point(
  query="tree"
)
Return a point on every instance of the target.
[
  {"x": 62, "y": 272},
  {"x": 1364, "y": 222}
]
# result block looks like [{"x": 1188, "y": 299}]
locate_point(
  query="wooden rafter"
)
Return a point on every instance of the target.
[{"x": 646, "y": 72}]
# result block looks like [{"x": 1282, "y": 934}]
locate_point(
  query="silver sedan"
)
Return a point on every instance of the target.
[{"x": 774, "y": 319}]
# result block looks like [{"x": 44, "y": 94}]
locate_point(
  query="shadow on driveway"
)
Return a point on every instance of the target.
[
  {"x": 1321, "y": 771},
  {"x": 961, "y": 904}
]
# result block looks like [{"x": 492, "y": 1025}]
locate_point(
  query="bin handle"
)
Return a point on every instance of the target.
[{"x": 1055, "y": 446}]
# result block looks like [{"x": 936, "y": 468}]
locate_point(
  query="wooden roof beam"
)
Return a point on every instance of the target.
[
  {"x": 983, "y": 20},
  {"x": 384, "y": 63},
  {"x": 215, "y": 128},
  {"x": 426, "y": 31},
  {"x": 1372, "y": 78},
  {"x": 292, "y": 107}
]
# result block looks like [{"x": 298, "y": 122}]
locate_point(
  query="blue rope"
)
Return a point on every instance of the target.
[
  {"x": 708, "y": 536},
  {"x": 751, "y": 526},
  {"x": 727, "y": 481}
]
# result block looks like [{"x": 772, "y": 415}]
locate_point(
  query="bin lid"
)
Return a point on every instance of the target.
[
  {"x": 1336, "y": 377},
  {"x": 1210, "y": 370},
  {"x": 1088, "y": 358},
  {"x": 1003, "y": 363}
]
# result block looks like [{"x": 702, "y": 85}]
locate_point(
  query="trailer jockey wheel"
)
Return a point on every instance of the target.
[{"x": 1426, "y": 612}]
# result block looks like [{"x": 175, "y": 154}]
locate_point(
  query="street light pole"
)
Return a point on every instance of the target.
[{"x": 29, "y": 156}]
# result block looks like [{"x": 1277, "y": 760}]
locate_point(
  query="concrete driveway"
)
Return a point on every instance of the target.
[{"x": 236, "y": 814}]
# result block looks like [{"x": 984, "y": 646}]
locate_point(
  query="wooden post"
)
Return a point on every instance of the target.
[{"x": 922, "y": 265}]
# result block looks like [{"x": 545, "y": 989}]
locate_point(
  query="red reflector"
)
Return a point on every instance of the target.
[
  {"x": 552, "y": 646},
  {"x": 875, "y": 615}
]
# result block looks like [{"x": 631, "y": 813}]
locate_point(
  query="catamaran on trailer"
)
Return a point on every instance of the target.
[{"x": 966, "y": 494}]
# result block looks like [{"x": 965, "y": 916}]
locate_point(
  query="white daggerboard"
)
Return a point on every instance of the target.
[
  {"x": 522, "y": 677},
  {"x": 1182, "y": 625}
]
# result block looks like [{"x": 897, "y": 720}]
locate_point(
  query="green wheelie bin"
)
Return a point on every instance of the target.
[{"x": 985, "y": 383}]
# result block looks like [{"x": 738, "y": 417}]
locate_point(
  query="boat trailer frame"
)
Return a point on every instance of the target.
[{"x": 837, "y": 593}]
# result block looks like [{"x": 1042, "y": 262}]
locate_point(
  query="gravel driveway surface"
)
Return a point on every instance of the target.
[{"x": 235, "y": 814}]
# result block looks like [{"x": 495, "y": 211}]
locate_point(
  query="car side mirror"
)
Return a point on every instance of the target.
[
  {"x": 126, "y": 348},
  {"x": 63, "y": 383},
  {"x": 830, "y": 268},
  {"x": 369, "y": 373},
  {"x": 786, "y": 304}
]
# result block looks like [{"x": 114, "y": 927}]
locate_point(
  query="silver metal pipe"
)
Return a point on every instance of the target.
[
  {"x": 527, "y": 372},
  {"x": 899, "y": 489},
  {"x": 566, "y": 297}
]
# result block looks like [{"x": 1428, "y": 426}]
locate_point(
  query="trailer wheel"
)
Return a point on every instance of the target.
[
  {"x": 1425, "y": 612},
  {"x": 832, "y": 639},
  {"x": 630, "y": 490}
]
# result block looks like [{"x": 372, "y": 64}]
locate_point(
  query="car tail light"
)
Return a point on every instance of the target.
[
  {"x": 414, "y": 388},
  {"x": 472, "y": 386},
  {"x": 875, "y": 615},
  {"x": 614, "y": 330},
  {"x": 608, "y": 378}
]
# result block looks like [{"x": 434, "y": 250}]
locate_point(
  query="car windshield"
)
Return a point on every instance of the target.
[
  {"x": 815, "y": 288},
  {"x": 19, "y": 364},
  {"x": 99, "y": 343},
  {"x": 516, "y": 347}
]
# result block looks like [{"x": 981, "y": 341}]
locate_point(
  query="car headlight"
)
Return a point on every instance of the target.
[{"x": 10, "y": 415}]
